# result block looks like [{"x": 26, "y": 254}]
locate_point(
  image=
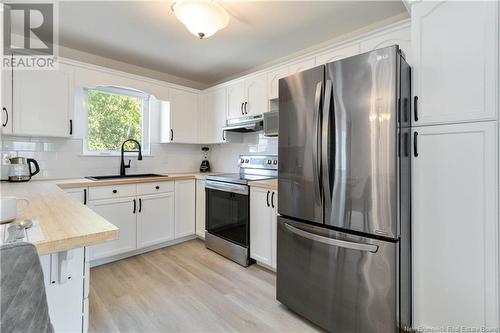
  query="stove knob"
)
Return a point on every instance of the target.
[
  {"x": 242, "y": 161},
  {"x": 247, "y": 160},
  {"x": 269, "y": 162},
  {"x": 275, "y": 162}
]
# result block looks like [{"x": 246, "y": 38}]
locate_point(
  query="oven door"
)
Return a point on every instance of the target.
[{"x": 227, "y": 211}]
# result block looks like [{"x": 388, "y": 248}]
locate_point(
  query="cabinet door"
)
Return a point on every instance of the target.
[
  {"x": 183, "y": 116},
  {"x": 185, "y": 211},
  {"x": 235, "y": 100},
  {"x": 273, "y": 79},
  {"x": 79, "y": 194},
  {"x": 44, "y": 101},
  {"x": 455, "y": 60},
  {"x": 455, "y": 228},
  {"x": 6, "y": 116},
  {"x": 216, "y": 113},
  {"x": 155, "y": 219},
  {"x": 274, "y": 225},
  {"x": 119, "y": 212},
  {"x": 401, "y": 37},
  {"x": 301, "y": 66},
  {"x": 261, "y": 228},
  {"x": 200, "y": 208},
  {"x": 337, "y": 54},
  {"x": 256, "y": 95}
]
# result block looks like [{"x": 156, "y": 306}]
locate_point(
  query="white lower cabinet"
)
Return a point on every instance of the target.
[
  {"x": 79, "y": 194},
  {"x": 455, "y": 226},
  {"x": 263, "y": 219},
  {"x": 64, "y": 285},
  {"x": 121, "y": 213},
  {"x": 147, "y": 214},
  {"x": 185, "y": 203},
  {"x": 200, "y": 208},
  {"x": 155, "y": 219}
]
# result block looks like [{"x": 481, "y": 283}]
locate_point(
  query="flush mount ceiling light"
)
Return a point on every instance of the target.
[{"x": 202, "y": 18}]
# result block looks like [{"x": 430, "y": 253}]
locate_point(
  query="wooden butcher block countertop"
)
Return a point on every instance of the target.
[{"x": 66, "y": 223}]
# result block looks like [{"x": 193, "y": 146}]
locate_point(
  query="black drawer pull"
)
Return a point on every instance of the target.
[
  {"x": 272, "y": 200},
  {"x": 157, "y": 187},
  {"x": 415, "y": 107},
  {"x": 70, "y": 127},
  {"x": 267, "y": 199},
  {"x": 135, "y": 206},
  {"x": 114, "y": 191},
  {"x": 140, "y": 205},
  {"x": 6, "y": 117},
  {"x": 415, "y": 145},
  {"x": 84, "y": 196}
]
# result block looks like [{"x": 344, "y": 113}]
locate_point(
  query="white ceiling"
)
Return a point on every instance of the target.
[{"x": 147, "y": 34}]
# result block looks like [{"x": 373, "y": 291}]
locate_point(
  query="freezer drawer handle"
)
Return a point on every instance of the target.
[{"x": 332, "y": 241}]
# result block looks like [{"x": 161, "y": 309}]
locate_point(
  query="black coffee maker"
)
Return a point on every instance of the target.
[{"x": 205, "y": 164}]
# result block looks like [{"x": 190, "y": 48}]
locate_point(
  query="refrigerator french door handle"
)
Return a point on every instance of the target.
[
  {"x": 317, "y": 140},
  {"x": 332, "y": 241},
  {"x": 326, "y": 141}
]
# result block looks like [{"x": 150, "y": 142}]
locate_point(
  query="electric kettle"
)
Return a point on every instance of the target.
[{"x": 20, "y": 169}]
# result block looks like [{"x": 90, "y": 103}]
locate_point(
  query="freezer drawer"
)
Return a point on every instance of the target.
[{"x": 341, "y": 282}]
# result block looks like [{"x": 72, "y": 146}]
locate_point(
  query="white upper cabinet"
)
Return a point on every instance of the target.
[
  {"x": 248, "y": 97},
  {"x": 43, "y": 101},
  {"x": 155, "y": 219},
  {"x": 273, "y": 78},
  {"x": 235, "y": 100},
  {"x": 301, "y": 66},
  {"x": 6, "y": 116},
  {"x": 455, "y": 226},
  {"x": 256, "y": 95},
  {"x": 183, "y": 116},
  {"x": 213, "y": 117},
  {"x": 337, "y": 54},
  {"x": 185, "y": 208},
  {"x": 401, "y": 37},
  {"x": 455, "y": 61}
]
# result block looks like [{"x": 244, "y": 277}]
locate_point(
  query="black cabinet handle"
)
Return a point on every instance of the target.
[
  {"x": 267, "y": 199},
  {"x": 246, "y": 107},
  {"x": 407, "y": 144},
  {"x": 223, "y": 135},
  {"x": 140, "y": 205},
  {"x": 272, "y": 200},
  {"x": 415, "y": 108},
  {"x": 157, "y": 187},
  {"x": 114, "y": 191},
  {"x": 135, "y": 206},
  {"x": 415, "y": 145},
  {"x": 84, "y": 196},
  {"x": 71, "y": 127},
  {"x": 171, "y": 134},
  {"x": 6, "y": 116},
  {"x": 241, "y": 108}
]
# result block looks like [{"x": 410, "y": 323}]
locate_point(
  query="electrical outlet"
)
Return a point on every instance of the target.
[{"x": 6, "y": 156}]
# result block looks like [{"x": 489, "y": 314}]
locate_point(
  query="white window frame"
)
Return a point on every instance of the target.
[{"x": 146, "y": 116}]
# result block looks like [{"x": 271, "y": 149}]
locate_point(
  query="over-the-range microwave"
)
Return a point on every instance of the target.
[{"x": 271, "y": 123}]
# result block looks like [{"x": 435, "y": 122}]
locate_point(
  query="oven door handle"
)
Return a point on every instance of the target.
[{"x": 227, "y": 187}]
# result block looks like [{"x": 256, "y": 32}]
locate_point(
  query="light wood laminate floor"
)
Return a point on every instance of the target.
[{"x": 187, "y": 288}]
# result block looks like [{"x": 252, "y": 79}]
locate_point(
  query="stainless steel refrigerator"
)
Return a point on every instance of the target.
[{"x": 343, "y": 257}]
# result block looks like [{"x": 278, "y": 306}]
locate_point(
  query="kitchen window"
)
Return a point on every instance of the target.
[{"x": 113, "y": 116}]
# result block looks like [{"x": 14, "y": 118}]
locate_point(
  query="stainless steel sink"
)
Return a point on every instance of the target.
[{"x": 142, "y": 175}]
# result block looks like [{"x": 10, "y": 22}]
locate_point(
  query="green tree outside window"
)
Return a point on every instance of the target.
[{"x": 112, "y": 119}]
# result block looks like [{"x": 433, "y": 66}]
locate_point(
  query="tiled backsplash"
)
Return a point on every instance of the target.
[
  {"x": 224, "y": 157},
  {"x": 62, "y": 158}
]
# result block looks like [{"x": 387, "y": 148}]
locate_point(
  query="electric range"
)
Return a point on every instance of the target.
[{"x": 228, "y": 206}]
